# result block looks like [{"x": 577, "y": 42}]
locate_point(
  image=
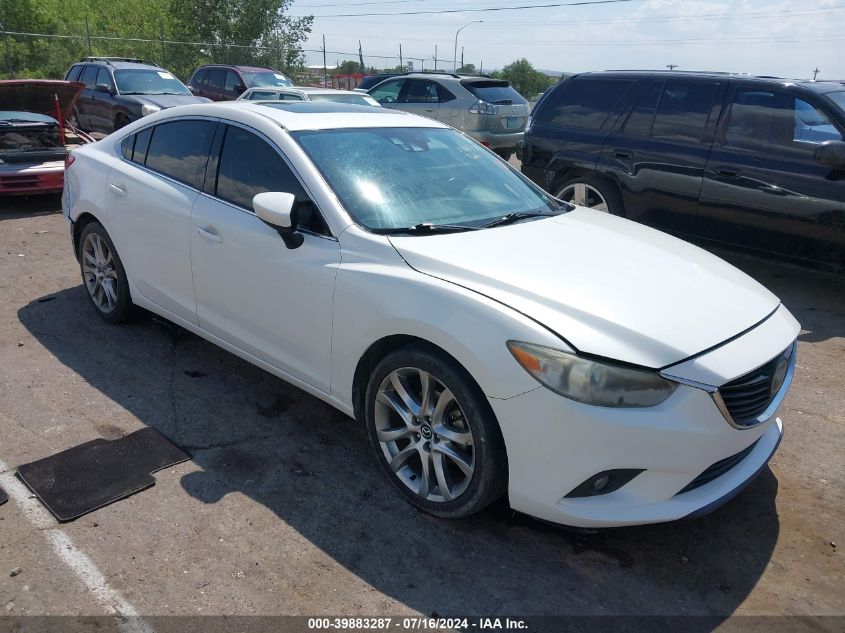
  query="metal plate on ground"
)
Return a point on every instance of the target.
[
  {"x": 84, "y": 478},
  {"x": 3, "y": 497}
]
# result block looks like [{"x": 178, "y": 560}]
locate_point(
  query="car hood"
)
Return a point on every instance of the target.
[
  {"x": 39, "y": 96},
  {"x": 608, "y": 286},
  {"x": 168, "y": 101}
]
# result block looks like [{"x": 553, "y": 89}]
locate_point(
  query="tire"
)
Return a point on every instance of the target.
[
  {"x": 73, "y": 120},
  {"x": 450, "y": 462},
  {"x": 120, "y": 121},
  {"x": 597, "y": 194},
  {"x": 504, "y": 153},
  {"x": 103, "y": 275}
]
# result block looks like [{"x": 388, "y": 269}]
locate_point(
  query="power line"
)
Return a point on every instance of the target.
[{"x": 476, "y": 10}]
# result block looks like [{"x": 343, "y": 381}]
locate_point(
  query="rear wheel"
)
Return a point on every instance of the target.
[
  {"x": 593, "y": 193},
  {"x": 434, "y": 433},
  {"x": 103, "y": 274}
]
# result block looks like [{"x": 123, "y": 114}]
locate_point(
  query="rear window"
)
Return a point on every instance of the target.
[
  {"x": 496, "y": 92},
  {"x": 73, "y": 73},
  {"x": 838, "y": 98},
  {"x": 583, "y": 104}
]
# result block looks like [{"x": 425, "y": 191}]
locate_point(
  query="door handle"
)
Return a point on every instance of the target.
[
  {"x": 775, "y": 191},
  {"x": 623, "y": 153},
  {"x": 728, "y": 173},
  {"x": 119, "y": 189},
  {"x": 208, "y": 235},
  {"x": 431, "y": 109}
]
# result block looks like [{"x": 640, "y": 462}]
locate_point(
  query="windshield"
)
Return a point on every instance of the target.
[
  {"x": 265, "y": 78},
  {"x": 390, "y": 178},
  {"x": 838, "y": 98},
  {"x": 361, "y": 99},
  {"x": 148, "y": 82},
  {"x": 496, "y": 92}
]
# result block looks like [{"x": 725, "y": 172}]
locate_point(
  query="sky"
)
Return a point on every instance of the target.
[{"x": 790, "y": 38}]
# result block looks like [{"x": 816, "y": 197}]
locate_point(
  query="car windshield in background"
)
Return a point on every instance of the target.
[
  {"x": 362, "y": 99},
  {"x": 394, "y": 178},
  {"x": 148, "y": 82},
  {"x": 265, "y": 79},
  {"x": 838, "y": 98},
  {"x": 495, "y": 92}
]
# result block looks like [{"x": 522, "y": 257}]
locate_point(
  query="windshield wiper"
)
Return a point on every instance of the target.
[
  {"x": 516, "y": 216},
  {"x": 426, "y": 228}
]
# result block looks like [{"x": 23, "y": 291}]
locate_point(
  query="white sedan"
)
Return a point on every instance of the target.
[
  {"x": 306, "y": 93},
  {"x": 492, "y": 339}
]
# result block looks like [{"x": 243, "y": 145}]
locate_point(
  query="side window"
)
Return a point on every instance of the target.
[
  {"x": 180, "y": 150},
  {"x": 683, "y": 111},
  {"x": 773, "y": 120},
  {"x": 583, "y": 104},
  {"x": 199, "y": 77},
  {"x": 142, "y": 143},
  {"x": 289, "y": 97},
  {"x": 73, "y": 73},
  {"x": 104, "y": 77},
  {"x": 89, "y": 75},
  {"x": 249, "y": 165},
  {"x": 232, "y": 81},
  {"x": 642, "y": 114},
  {"x": 444, "y": 94},
  {"x": 420, "y": 91},
  {"x": 216, "y": 78},
  {"x": 126, "y": 146},
  {"x": 257, "y": 95},
  {"x": 388, "y": 92}
]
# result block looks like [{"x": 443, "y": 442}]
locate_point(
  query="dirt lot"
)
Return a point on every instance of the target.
[{"x": 282, "y": 510}]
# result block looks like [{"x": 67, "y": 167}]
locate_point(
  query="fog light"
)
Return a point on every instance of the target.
[{"x": 605, "y": 482}]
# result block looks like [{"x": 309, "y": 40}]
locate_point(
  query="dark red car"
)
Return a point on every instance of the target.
[
  {"x": 35, "y": 139},
  {"x": 221, "y": 82}
]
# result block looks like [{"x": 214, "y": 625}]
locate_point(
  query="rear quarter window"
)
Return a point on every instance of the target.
[
  {"x": 496, "y": 92},
  {"x": 180, "y": 150},
  {"x": 583, "y": 104}
]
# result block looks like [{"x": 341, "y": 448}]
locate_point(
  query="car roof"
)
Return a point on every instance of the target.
[
  {"x": 236, "y": 67},
  {"x": 305, "y": 115},
  {"x": 309, "y": 90},
  {"x": 118, "y": 64},
  {"x": 809, "y": 84}
]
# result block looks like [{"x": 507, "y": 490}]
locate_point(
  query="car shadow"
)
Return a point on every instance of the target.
[
  {"x": 253, "y": 434},
  {"x": 16, "y": 207}
]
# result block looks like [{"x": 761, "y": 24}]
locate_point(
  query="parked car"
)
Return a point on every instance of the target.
[
  {"x": 754, "y": 162},
  {"x": 487, "y": 109},
  {"x": 308, "y": 94},
  {"x": 490, "y": 338},
  {"x": 119, "y": 90},
  {"x": 370, "y": 81},
  {"x": 221, "y": 82},
  {"x": 35, "y": 138}
]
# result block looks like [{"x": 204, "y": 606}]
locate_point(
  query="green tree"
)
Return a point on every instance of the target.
[
  {"x": 346, "y": 67},
  {"x": 524, "y": 78},
  {"x": 467, "y": 69}
]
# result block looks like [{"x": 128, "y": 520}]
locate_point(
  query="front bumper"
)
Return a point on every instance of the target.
[
  {"x": 555, "y": 444},
  {"x": 29, "y": 179}
]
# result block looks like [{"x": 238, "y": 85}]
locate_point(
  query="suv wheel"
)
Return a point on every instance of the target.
[
  {"x": 593, "y": 193},
  {"x": 434, "y": 433}
]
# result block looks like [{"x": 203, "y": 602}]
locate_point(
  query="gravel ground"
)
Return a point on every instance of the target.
[{"x": 282, "y": 510}]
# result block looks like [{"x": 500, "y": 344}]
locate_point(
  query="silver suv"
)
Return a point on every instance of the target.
[{"x": 487, "y": 109}]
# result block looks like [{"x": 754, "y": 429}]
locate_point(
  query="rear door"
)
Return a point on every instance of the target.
[
  {"x": 657, "y": 153},
  {"x": 85, "y": 104},
  {"x": 100, "y": 112},
  {"x": 420, "y": 97},
  {"x": 215, "y": 84},
  {"x": 763, "y": 188},
  {"x": 150, "y": 198}
]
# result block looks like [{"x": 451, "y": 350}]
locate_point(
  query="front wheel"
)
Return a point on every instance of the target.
[
  {"x": 434, "y": 433},
  {"x": 103, "y": 274},
  {"x": 593, "y": 193}
]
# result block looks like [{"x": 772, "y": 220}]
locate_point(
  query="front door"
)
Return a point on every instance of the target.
[
  {"x": 420, "y": 97},
  {"x": 253, "y": 292},
  {"x": 764, "y": 189}
]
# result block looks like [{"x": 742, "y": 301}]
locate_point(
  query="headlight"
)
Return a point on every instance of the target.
[
  {"x": 589, "y": 381},
  {"x": 148, "y": 108}
]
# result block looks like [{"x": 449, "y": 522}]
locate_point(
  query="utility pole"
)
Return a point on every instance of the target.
[
  {"x": 671, "y": 66},
  {"x": 816, "y": 73},
  {"x": 455, "y": 54},
  {"x": 481, "y": 70},
  {"x": 435, "y": 57},
  {"x": 462, "y": 56},
  {"x": 401, "y": 61},
  {"x": 361, "y": 68},
  {"x": 325, "y": 70}
]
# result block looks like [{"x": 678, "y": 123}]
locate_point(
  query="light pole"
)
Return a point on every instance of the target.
[{"x": 455, "y": 56}]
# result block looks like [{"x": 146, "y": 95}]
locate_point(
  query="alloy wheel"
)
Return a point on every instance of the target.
[
  {"x": 424, "y": 435},
  {"x": 99, "y": 273},
  {"x": 583, "y": 195}
]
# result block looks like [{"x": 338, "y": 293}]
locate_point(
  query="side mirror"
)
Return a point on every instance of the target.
[
  {"x": 831, "y": 154},
  {"x": 103, "y": 88},
  {"x": 275, "y": 208}
]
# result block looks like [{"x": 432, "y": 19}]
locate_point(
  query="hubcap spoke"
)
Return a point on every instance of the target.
[
  {"x": 425, "y": 478},
  {"x": 444, "y": 401},
  {"x": 459, "y": 459},
  {"x": 391, "y": 435},
  {"x": 401, "y": 458},
  {"x": 440, "y": 474},
  {"x": 579, "y": 195},
  {"x": 463, "y": 438},
  {"x": 400, "y": 385},
  {"x": 392, "y": 400},
  {"x": 425, "y": 392}
]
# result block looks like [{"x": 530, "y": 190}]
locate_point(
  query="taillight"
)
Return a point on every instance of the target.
[
  {"x": 69, "y": 160},
  {"x": 482, "y": 107}
]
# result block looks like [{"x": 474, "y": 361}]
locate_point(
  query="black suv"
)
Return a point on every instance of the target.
[
  {"x": 756, "y": 162},
  {"x": 119, "y": 90}
]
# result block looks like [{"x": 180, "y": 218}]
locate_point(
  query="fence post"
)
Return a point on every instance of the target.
[
  {"x": 6, "y": 49},
  {"x": 161, "y": 37}
]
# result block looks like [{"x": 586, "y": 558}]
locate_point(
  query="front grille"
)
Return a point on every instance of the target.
[
  {"x": 748, "y": 396},
  {"x": 718, "y": 469}
]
